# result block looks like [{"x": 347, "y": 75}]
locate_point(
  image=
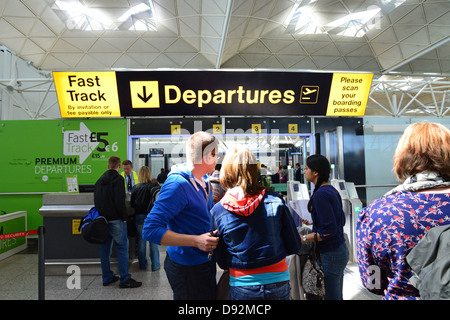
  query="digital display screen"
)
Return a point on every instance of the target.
[{"x": 156, "y": 152}]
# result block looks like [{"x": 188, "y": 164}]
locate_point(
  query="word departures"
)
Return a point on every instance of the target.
[{"x": 208, "y": 93}]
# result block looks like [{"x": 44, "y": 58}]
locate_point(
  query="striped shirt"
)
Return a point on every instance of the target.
[{"x": 276, "y": 272}]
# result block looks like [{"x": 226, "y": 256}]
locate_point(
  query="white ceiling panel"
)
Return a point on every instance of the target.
[{"x": 403, "y": 36}]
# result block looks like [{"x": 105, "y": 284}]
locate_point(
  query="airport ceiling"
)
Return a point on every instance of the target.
[{"x": 379, "y": 36}]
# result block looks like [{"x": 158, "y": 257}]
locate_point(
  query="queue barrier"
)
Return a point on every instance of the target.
[
  {"x": 40, "y": 231},
  {"x": 18, "y": 234}
]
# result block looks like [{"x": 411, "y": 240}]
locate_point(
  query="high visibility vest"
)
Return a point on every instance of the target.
[{"x": 135, "y": 178}]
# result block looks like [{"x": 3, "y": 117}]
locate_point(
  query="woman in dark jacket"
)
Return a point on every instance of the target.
[
  {"x": 328, "y": 218},
  {"x": 256, "y": 232},
  {"x": 142, "y": 198}
]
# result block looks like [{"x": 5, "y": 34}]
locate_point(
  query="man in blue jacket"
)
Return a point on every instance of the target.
[{"x": 180, "y": 219}]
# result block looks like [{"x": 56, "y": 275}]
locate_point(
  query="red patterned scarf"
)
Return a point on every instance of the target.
[{"x": 235, "y": 202}]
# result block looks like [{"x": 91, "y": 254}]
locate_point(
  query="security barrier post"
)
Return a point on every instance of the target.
[{"x": 41, "y": 261}]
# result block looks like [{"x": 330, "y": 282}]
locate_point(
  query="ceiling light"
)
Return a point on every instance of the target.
[
  {"x": 303, "y": 19},
  {"x": 354, "y": 24},
  {"x": 138, "y": 18},
  {"x": 80, "y": 16}
]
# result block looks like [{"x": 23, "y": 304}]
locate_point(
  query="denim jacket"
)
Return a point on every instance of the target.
[{"x": 261, "y": 238}]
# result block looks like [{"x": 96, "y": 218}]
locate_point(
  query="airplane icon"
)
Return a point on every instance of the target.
[
  {"x": 309, "y": 94},
  {"x": 308, "y": 91}
]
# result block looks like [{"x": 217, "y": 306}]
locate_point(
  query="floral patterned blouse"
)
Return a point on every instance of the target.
[{"x": 386, "y": 232}]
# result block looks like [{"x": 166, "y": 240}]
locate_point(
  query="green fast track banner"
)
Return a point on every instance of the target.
[
  {"x": 37, "y": 155},
  {"x": 40, "y": 156}
]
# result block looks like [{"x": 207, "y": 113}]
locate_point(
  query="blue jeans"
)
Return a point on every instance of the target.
[
  {"x": 142, "y": 246},
  {"x": 118, "y": 233},
  {"x": 271, "y": 291},
  {"x": 191, "y": 282},
  {"x": 334, "y": 263}
]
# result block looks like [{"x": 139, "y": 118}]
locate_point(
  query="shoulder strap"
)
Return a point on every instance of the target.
[{"x": 315, "y": 251}]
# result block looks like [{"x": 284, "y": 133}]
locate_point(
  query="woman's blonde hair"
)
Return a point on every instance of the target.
[
  {"x": 240, "y": 168},
  {"x": 144, "y": 174},
  {"x": 423, "y": 146}
]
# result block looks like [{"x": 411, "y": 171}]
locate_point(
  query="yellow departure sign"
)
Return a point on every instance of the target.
[
  {"x": 87, "y": 94},
  {"x": 349, "y": 93},
  {"x": 108, "y": 94},
  {"x": 144, "y": 94}
]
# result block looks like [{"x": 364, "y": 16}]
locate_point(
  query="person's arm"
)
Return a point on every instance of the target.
[
  {"x": 310, "y": 237},
  {"x": 204, "y": 242},
  {"x": 289, "y": 234},
  {"x": 326, "y": 222},
  {"x": 372, "y": 264},
  {"x": 133, "y": 196},
  {"x": 119, "y": 197},
  {"x": 170, "y": 203}
]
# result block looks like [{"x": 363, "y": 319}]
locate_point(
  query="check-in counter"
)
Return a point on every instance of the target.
[
  {"x": 64, "y": 245},
  {"x": 61, "y": 214}
]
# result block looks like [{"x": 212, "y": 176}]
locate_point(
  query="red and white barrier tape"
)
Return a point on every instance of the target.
[{"x": 18, "y": 234}]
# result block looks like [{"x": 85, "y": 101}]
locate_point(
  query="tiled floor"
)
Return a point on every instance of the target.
[{"x": 19, "y": 281}]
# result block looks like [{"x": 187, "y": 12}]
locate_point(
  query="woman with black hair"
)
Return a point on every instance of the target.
[{"x": 328, "y": 218}]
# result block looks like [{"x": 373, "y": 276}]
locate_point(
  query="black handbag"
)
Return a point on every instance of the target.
[{"x": 313, "y": 280}]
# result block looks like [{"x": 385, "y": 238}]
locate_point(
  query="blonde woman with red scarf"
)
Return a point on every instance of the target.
[{"x": 256, "y": 232}]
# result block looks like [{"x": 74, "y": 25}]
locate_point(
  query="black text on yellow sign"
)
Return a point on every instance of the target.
[
  {"x": 293, "y": 128},
  {"x": 87, "y": 94},
  {"x": 144, "y": 94},
  {"x": 75, "y": 226},
  {"x": 115, "y": 94},
  {"x": 175, "y": 129},
  {"x": 349, "y": 93},
  {"x": 256, "y": 128},
  {"x": 217, "y": 129}
]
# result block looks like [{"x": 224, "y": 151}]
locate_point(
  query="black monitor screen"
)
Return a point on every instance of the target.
[
  {"x": 86, "y": 187},
  {"x": 156, "y": 152}
]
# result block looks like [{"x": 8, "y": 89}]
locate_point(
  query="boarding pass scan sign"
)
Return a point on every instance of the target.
[
  {"x": 349, "y": 93},
  {"x": 87, "y": 94},
  {"x": 109, "y": 94}
]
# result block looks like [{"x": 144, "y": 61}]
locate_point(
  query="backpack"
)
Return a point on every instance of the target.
[
  {"x": 94, "y": 227},
  {"x": 154, "y": 193}
]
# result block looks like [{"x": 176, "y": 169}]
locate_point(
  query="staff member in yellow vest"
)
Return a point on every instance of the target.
[{"x": 129, "y": 175}]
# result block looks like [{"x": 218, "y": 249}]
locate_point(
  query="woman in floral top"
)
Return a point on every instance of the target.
[{"x": 390, "y": 227}]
